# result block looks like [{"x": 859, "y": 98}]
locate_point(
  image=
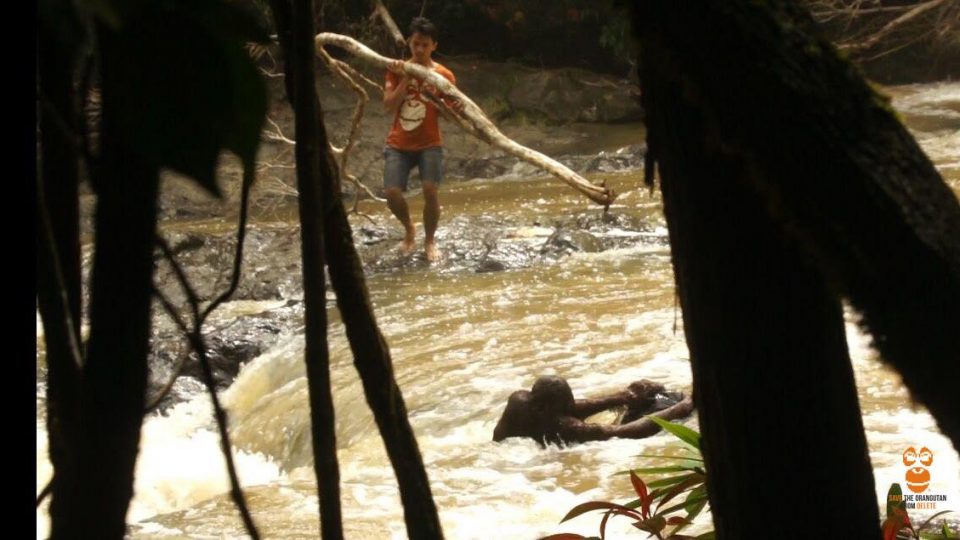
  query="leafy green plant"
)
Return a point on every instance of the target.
[
  {"x": 672, "y": 501},
  {"x": 898, "y": 524}
]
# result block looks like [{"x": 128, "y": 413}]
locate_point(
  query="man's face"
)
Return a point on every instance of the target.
[{"x": 421, "y": 47}]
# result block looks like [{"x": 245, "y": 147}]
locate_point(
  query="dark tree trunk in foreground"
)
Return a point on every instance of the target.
[
  {"x": 295, "y": 24},
  {"x": 372, "y": 359},
  {"x": 772, "y": 379},
  {"x": 371, "y": 353},
  {"x": 58, "y": 257},
  {"x": 787, "y": 184},
  {"x": 115, "y": 373}
]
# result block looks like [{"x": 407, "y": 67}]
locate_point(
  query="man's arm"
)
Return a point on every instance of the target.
[{"x": 393, "y": 93}]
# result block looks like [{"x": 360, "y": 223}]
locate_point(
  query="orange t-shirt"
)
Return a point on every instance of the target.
[{"x": 415, "y": 124}]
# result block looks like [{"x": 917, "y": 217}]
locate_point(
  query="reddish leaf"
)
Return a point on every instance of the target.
[
  {"x": 889, "y": 529},
  {"x": 631, "y": 515},
  {"x": 902, "y": 516},
  {"x": 676, "y": 520},
  {"x": 893, "y": 524},
  {"x": 641, "y": 490},
  {"x": 599, "y": 505},
  {"x": 603, "y": 526},
  {"x": 653, "y": 525},
  {"x": 564, "y": 536}
]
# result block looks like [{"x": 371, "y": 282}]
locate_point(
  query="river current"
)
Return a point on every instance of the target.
[{"x": 461, "y": 343}]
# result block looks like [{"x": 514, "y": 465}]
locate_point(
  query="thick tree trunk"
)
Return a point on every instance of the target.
[
  {"x": 772, "y": 379},
  {"x": 296, "y": 32},
  {"x": 58, "y": 259},
  {"x": 115, "y": 373},
  {"x": 788, "y": 182}
]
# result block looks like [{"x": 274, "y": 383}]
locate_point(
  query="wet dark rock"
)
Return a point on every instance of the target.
[
  {"x": 225, "y": 358},
  {"x": 604, "y": 221},
  {"x": 489, "y": 265},
  {"x": 270, "y": 268},
  {"x": 563, "y": 242},
  {"x": 508, "y": 255},
  {"x": 229, "y": 347},
  {"x": 183, "y": 389},
  {"x": 626, "y": 158},
  {"x": 370, "y": 234}
]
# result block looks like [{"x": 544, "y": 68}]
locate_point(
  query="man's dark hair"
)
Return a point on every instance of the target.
[{"x": 424, "y": 27}]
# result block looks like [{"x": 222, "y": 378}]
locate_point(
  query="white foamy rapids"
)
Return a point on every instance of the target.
[
  {"x": 179, "y": 465},
  {"x": 932, "y": 113},
  {"x": 936, "y": 100},
  {"x": 512, "y": 489},
  {"x": 943, "y": 147}
]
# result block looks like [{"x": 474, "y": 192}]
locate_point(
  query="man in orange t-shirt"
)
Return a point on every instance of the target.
[{"x": 414, "y": 140}]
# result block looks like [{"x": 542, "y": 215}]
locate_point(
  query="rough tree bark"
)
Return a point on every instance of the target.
[{"x": 788, "y": 183}]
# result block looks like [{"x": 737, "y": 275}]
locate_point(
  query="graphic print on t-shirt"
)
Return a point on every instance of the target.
[
  {"x": 415, "y": 121},
  {"x": 414, "y": 109}
]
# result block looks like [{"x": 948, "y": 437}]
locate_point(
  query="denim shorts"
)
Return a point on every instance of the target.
[{"x": 397, "y": 165}]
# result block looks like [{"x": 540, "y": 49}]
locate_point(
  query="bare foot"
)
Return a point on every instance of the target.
[
  {"x": 409, "y": 241},
  {"x": 406, "y": 247},
  {"x": 430, "y": 248}
]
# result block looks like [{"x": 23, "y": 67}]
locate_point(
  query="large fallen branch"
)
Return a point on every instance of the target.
[
  {"x": 350, "y": 76},
  {"x": 471, "y": 118}
]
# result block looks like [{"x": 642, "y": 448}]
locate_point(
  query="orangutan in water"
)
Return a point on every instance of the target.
[{"x": 548, "y": 412}]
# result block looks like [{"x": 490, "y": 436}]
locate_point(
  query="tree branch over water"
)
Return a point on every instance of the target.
[{"x": 472, "y": 118}]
